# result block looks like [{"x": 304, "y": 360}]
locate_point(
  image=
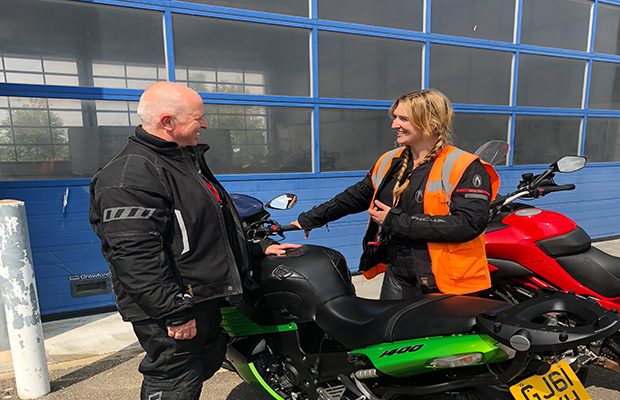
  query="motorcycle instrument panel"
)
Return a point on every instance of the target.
[{"x": 559, "y": 383}]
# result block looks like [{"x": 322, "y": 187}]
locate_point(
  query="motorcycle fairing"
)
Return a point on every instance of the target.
[
  {"x": 411, "y": 357},
  {"x": 507, "y": 268},
  {"x": 234, "y": 324}
]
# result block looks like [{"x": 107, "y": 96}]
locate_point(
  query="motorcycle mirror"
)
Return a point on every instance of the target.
[
  {"x": 493, "y": 152},
  {"x": 569, "y": 164},
  {"x": 283, "y": 202}
]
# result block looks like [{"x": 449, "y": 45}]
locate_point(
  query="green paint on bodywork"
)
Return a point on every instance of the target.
[
  {"x": 411, "y": 357},
  {"x": 234, "y": 323},
  {"x": 250, "y": 375}
]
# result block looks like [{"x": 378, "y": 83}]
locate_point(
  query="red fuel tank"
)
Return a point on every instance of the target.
[{"x": 515, "y": 236}]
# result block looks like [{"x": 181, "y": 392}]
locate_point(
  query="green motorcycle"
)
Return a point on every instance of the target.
[{"x": 304, "y": 335}]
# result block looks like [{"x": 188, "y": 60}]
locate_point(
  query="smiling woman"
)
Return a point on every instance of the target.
[{"x": 428, "y": 204}]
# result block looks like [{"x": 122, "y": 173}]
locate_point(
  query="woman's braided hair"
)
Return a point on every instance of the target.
[{"x": 430, "y": 112}]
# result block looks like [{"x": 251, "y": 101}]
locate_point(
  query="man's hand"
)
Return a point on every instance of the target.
[
  {"x": 379, "y": 212},
  {"x": 183, "y": 332},
  {"x": 280, "y": 249},
  {"x": 306, "y": 231}
]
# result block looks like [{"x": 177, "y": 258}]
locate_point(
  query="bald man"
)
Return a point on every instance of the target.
[{"x": 174, "y": 243}]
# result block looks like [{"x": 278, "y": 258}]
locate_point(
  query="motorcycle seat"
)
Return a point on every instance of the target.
[
  {"x": 356, "y": 322},
  {"x": 595, "y": 269}
]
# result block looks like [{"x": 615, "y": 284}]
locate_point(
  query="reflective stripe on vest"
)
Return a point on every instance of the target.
[
  {"x": 444, "y": 184},
  {"x": 383, "y": 164}
]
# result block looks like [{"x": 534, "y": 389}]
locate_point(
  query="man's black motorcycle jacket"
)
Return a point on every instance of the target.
[{"x": 170, "y": 240}]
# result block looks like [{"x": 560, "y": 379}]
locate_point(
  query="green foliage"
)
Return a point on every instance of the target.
[{"x": 35, "y": 131}]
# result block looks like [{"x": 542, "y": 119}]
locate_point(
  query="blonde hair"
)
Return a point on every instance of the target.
[{"x": 430, "y": 112}]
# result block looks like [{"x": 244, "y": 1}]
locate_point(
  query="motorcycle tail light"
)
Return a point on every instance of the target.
[{"x": 461, "y": 360}]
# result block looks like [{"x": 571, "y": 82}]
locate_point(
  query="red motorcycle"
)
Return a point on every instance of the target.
[{"x": 531, "y": 249}]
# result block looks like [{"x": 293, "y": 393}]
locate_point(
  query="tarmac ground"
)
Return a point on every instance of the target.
[
  {"x": 97, "y": 357},
  {"x": 117, "y": 377}
]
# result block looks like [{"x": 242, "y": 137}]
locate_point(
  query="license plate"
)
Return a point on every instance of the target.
[{"x": 559, "y": 383}]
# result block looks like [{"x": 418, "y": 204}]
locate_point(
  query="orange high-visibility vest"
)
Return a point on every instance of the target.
[{"x": 459, "y": 268}]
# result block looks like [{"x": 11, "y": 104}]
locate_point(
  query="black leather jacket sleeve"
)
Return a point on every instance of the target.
[
  {"x": 356, "y": 198},
  {"x": 133, "y": 224},
  {"x": 468, "y": 218}
]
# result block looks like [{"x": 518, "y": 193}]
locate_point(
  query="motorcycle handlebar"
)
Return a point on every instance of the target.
[
  {"x": 502, "y": 201},
  {"x": 555, "y": 188},
  {"x": 289, "y": 227},
  {"x": 274, "y": 229}
]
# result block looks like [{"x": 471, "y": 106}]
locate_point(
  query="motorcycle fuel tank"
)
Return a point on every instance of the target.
[
  {"x": 292, "y": 287},
  {"x": 529, "y": 233}
]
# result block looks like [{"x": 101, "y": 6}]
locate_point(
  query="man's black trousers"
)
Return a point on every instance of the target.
[{"x": 175, "y": 369}]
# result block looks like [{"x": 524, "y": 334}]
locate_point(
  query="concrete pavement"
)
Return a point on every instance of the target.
[
  {"x": 88, "y": 339},
  {"x": 96, "y": 357}
]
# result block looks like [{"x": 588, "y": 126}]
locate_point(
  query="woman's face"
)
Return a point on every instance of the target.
[{"x": 406, "y": 133}]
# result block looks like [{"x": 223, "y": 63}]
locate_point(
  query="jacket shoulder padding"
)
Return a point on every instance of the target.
[{"x": 133, "y": 171}]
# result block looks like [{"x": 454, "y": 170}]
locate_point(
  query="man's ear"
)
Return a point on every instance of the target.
[{"x": 166, "y": 121}]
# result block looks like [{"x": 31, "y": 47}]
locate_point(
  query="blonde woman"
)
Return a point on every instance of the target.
[{"x": 428, "y": 203}]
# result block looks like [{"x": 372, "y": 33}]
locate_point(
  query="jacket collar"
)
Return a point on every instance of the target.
[{"x": 163, "y": 146}]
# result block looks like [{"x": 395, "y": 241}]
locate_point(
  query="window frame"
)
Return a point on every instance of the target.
[{"x": 314, "y": 100}]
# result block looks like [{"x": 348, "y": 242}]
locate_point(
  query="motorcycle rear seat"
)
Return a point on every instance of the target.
[
  {"x": 596, "y": 270},
  {"x": 356, "y": 322}
]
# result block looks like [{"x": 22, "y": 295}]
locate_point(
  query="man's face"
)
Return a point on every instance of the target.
[{"x": 187, "y": 125}]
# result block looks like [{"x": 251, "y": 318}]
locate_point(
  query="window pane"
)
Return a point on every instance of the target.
[
  {"x": 602, "y": 139},
  {"x": 607, "y": 29},
  {"x": 31, "y": 79},
  {"x": 58, "y": 138},
  {"x": 6, "y": 134},
  {"x": 352, "y": 140},
  {"x": 47, "y": 39},
  {"x": 556, "y": 23},
  {"x": 605, "y": 86},
  {"x": 402, "y": 14},
  {"x": 482, "y": 19},
  {"x": 32, "y": 135},
  {"x": 258, "y": 139},
  {"x": 468, "y": 75},
  {"x": 543, "y": 140},
  {"x": 473, "y": 130},
  {"x": 22, "y": 64},
  {"x": 232, "y": 56},
  {"x": 7, "y": 153},
  {"x": 550, "y": 82},
  {"x": 364, "y": 67},
  {"x": 292, "y": 7}
]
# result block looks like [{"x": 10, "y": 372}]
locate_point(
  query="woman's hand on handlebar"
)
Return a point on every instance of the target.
[
  {"x": 306, "y": 231},
  {"x": 280, "y": 249}
]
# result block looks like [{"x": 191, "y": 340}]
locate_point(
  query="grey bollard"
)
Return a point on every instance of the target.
[{"x": 21, "y": 305}]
